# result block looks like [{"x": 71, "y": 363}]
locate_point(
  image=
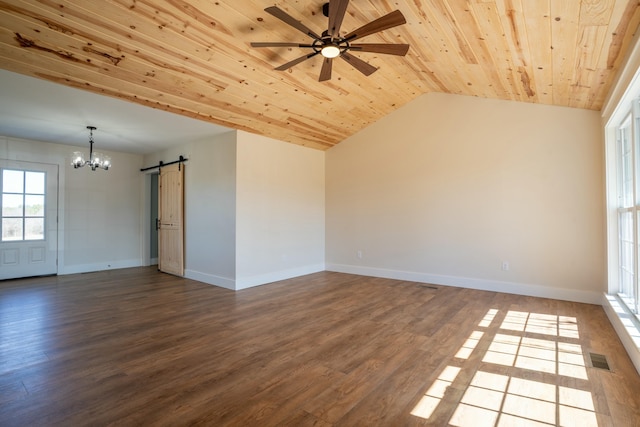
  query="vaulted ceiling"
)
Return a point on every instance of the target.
[{"x": 194, "y": 57}]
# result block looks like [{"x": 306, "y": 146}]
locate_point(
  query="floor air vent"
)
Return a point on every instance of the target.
[
  {"x": 426, "y": 285},
  {"x": 599, "y": 361}
]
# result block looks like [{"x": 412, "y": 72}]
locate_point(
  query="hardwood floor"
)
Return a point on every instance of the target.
[{"x": 138, "y": 347}]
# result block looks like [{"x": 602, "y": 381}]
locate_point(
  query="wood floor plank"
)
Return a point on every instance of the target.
[{"x": 138, "y": 347}]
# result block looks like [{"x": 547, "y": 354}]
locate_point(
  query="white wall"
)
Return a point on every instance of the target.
[
  {"x": 99, "y": 212},
  {"x": 280, "y": 210},
  {"x": 447, "y": 188},
  {"x": 254, "y": 209},
  {"x": 211, "y": 219},
  {"x": 210, "y": 207}
]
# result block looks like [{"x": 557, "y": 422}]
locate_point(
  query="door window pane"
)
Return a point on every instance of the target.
[
  {"x": 12, "y": 181},
  {"x": 34, "y": 228},
  {"x": 11, "y": 229},
  {"x": 33, "y": 205},
  {"x": 12, "y": 205},
  {"x": 34, "y": 183}
]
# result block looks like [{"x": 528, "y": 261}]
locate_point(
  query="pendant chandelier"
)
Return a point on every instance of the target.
[{"x": 96, "y": 160}]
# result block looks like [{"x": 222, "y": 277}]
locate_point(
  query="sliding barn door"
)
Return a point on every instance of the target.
[{"x": 170, "y": 213}]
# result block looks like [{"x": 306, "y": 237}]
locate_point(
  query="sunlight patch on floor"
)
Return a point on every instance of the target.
[
  {"x": 469, "y": 345},
  {"x": 436, "y": 392},
  {"x": 535, "y": 342},
  {"x": 543, "y": 324},
  {"x": 488, "y": 318}
]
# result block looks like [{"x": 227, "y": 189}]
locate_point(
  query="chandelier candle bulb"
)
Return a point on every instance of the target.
[{"x": 77, "y": 159}]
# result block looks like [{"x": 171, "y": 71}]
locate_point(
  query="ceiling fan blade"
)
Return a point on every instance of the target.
[
  {"x": 278, "y": 44},
  {"x": 389, "y": 49},
  {"x": 288, "y": 19},
  {"x": 385, "y": 22},
  {"x": 337, "y": 10},
  {"x": 325, "y": 72},
  {"x": 290, "y": 64},
  {"x": 359, "y": 64}
]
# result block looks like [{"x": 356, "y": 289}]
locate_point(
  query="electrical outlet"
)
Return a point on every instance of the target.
[
  {"x": 505, "y": 265},
  {"x": 359, "y": 254}
]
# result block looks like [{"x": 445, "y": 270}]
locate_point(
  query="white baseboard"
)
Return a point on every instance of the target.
[
  {"x": 626, "y": 325},
  {"x": 99, "y": 266},
  {"x": 211, "y": 279},
  {"x": 251, "y": 281},
  {"x": 574, "y": 295},
  {"x": 263, "y": 279}
]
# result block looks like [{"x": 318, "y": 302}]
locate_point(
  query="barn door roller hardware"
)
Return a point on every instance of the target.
[{"x": 161, "y": 164}]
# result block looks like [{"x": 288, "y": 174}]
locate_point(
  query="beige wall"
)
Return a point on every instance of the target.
[
  {"x": 447, "y": 188},
  {"x": 280, "y": 229}
]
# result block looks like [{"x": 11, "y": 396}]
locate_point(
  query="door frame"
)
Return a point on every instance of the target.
[
  {"x": 59, "y": 196},
  {"x": 146, "y": 218}
]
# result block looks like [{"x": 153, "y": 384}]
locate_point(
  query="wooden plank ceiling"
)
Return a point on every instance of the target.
[{"x": 194, "y": 58}]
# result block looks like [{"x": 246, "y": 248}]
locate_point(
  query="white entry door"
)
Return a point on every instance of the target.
[{"x": 29, "y": 223}]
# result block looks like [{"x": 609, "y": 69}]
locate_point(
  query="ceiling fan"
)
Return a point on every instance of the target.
[{"x": 332, "y": 45}]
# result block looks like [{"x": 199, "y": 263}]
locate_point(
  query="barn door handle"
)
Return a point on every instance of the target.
[{"x": 157, "y": 224}]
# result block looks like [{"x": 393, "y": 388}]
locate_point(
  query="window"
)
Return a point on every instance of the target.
[
  {"x": 627, "y": 212},
  {"x": 627, "y": 205},
  {"x": 23, "y": 205},
  {"x": 622, "y": 161}
]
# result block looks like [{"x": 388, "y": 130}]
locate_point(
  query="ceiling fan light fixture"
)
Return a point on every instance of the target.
[
  {"x": 332, "y": 45},
  {"x": 330, "y": 51}
]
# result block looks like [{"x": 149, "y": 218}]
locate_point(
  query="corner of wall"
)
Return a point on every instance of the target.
[
  {"x": 263, "y": 279},
  {"x": 210, "y": 279}
]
